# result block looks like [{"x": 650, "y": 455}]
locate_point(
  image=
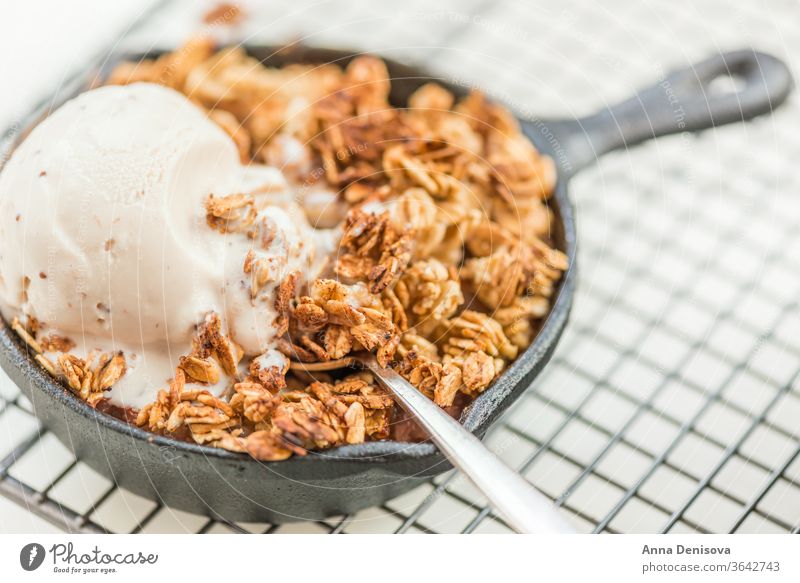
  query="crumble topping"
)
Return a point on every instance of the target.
[{"x": 444, "y": 269}]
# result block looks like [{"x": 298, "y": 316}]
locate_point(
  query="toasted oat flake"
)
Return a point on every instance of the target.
[
  {"x": 25, "y": 335},
  {"x": 199, "y": 370}
]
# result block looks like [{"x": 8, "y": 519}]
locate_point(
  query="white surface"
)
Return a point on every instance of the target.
[
  {"x": 44, "y": 41},
  {"x": 690, "y": 259}
]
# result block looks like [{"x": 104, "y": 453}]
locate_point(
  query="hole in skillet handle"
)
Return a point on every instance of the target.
[
  {"x": 756, "y": 84},
  {"x": 726, "y": 85}
]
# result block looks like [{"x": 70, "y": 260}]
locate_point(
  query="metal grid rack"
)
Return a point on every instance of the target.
[{"x": 672, "y": 403}]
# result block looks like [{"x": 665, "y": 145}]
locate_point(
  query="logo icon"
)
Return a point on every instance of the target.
[{"x": 31, "y": 556}]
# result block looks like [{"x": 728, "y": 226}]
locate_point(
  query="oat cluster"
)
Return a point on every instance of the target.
[{"x": 444, "y": 270}]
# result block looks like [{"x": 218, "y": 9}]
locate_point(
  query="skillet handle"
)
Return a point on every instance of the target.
[{"x": 684, "y": 101}]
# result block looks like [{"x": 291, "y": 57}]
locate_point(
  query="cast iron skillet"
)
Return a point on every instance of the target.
[{"x": 347, "y": 479}]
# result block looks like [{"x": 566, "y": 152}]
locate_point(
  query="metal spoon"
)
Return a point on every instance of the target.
[{"x": 522, "y": 506}]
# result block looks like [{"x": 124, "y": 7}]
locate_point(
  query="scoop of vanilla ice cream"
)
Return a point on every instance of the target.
[{"x": 103, "y": 230}]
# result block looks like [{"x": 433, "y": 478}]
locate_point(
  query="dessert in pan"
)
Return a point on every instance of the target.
[
  {"x": 425, "y": 237},
  {"x": 201, "y": 245}
]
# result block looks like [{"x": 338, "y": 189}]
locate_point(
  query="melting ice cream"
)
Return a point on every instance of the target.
[{"x": 104, "y": 236}]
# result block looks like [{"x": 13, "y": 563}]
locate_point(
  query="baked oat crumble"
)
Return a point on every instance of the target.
[{"x": 445, "y": 268}]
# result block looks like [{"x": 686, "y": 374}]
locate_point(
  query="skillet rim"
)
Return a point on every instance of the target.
[{"x": 477, "y": 417}]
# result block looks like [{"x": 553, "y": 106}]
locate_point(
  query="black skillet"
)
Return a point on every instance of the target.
[{"x": 347, "y": 479}]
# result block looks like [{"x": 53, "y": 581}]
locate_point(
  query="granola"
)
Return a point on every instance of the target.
[{"x": 445, "y": 267}]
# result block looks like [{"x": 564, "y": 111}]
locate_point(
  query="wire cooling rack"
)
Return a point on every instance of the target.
[{"x": 672, "y": 403}]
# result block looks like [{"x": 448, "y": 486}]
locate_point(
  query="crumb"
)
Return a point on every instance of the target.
[{"x": 224, "y": 13}]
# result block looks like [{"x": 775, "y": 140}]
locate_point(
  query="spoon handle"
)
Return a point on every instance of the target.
[{"x": 517, "y": 501}]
